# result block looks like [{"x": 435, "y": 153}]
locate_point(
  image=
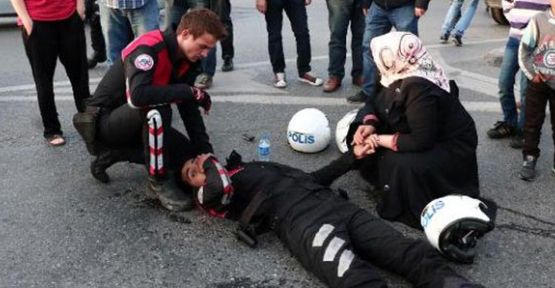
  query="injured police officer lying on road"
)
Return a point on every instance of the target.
[
  {"x": 131, "y": 108},
  {"x": 333, "y": 238}
]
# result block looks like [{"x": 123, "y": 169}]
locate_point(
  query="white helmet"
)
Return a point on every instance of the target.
[
  {"x": 342, "y": 129},
  {"x": 309, "y": 131},
  {"x": 453, "y": 224}
]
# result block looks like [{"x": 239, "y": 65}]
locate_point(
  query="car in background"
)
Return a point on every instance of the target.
[
  {"x": 495, "y": 9},
  {"x": 6, "y": 9},
  {"x": 7, "y": 14}
]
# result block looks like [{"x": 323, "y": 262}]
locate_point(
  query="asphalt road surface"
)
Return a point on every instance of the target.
[{"x": 61, "y": 228}]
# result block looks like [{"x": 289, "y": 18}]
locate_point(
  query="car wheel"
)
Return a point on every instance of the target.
[{"x": 497, "y": 15}]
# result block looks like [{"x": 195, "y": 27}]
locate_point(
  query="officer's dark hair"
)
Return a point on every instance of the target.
[{"x": 200, "y": 21}]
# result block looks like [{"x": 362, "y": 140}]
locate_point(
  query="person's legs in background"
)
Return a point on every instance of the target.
[
  {"x": 338, "y": 22},
  {"x": 509, "y": 68},
  {"x": 536, "y": 100},
  {"x": 73, "y": 55},
  {"x": 208, "y": 64},
  {"x": 274, "y": 23},
  {"x": 357, "y": 32},
  {"x": 296, "y": 12},
  {"x": 517, "y": 140},
  {"x": 403, "y": 19},
  {"x": 377, "y": 23},
  {"x": 116, "y": 30},
  {"x": 144, "y": 19},
  {"x": 228, "y": 51},
  {"x": 174, "y": 9},
  {"x": 451, "y": 18},
  {"x": 42, "y": 53},
  {"x": 97, "y": 39},
  {"x": 464, "y": 22}
]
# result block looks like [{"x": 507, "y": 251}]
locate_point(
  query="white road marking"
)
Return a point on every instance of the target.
[
  {"x": 469, "y": 80},
  {"x": 477, "y": 106}
]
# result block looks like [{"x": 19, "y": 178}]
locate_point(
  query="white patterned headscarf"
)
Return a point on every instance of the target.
[{"x": 399, "y": 55}]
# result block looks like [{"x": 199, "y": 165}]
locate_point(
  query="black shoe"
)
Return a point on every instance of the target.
[
  {"x": 95, "y": 59},
  {"x": 228, "y": 65},
  {"x": 528, "y": 170},
  {"x": 360, "y": 97},
  {"x": 457, "y": 40},
  {"x": 517, "y": 141},
  {"x": 85, "y": 124},
  {"x": 169, "y": 195},
  {"x": 501, "y": 130},
  {"x": 103, "y": 161},
  {"x": 443, "y": 39}
]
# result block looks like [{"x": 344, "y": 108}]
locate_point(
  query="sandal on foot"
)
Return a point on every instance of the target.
[{"x": 56, "y": 140}]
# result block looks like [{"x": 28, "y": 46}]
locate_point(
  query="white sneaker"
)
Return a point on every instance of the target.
[
  {"x": 279, "y": 80},
  {"x": 310, "y": 79}
]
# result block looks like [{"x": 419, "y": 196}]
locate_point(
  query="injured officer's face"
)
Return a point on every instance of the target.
[
  {"x": 197, "y": 48},
  {"x": 192, "y": 171}
]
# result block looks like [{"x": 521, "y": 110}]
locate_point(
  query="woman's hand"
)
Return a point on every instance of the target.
[
  {"x": 362, "y": 150},
  {"x": 261, "y": 6},
  {"x": 363, "y": 131}
]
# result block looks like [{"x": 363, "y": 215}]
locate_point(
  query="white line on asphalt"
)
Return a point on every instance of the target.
[
  {"x": 477, "y": 106},
  {"x": 325, "y": 57},
  {"x": 485, "y": 87}
]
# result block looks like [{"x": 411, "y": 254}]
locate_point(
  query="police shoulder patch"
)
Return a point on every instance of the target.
[{"x": 144, "y": 62}]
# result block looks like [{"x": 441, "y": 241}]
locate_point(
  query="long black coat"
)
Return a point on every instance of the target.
[{"x": 436, "y": 148}]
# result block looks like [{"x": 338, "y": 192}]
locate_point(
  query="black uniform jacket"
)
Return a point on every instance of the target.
[
  {"x": 288, "y": 193},
  {"x": 421, "y": 113},
  {"x": 152, "y": 72}
]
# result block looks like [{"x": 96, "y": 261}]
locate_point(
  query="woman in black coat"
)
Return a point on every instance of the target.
[{"x": 424, "y": 140}]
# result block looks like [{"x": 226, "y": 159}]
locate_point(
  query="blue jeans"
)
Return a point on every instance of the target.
[
  {"x": 455, "y": 22},
  {"x": 379, "y": 22},
  {"x": 176, "y": 8},
  {"x": 121, "y": 26},
  {"x": 223, "y": 9},
  {"x": 341, "y": 12},
  {"x": 509, "y": 68},
  {"x": 208, "y": 64}
]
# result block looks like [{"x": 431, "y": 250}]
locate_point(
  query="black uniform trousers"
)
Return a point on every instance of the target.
[
  {"x": 344, "y": 244},
  {"x": 48, "y": 41},
  {"x": 126, "y": 129},
  {"x": 538, "y": 96}
]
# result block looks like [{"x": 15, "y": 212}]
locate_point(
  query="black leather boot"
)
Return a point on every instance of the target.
[
  {"x": 228, "y": 65},
  {"x": 103, "y": 161},
  {"x": 95, "y": 59},
  {"x": 169, "y": 195}
]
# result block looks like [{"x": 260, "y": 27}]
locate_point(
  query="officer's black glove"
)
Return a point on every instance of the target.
[{"x": 202, "y": 98}]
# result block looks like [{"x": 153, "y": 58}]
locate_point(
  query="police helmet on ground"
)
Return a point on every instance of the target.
[
  {"x": 309, "y": 131},
  {"x": 453, "y": 224},
  {"x": 342, "y": 129}
]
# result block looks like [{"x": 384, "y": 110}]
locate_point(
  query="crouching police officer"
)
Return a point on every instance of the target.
[
  {"x": 333, "y": 238},
  {"x": 131, "y": 109}
]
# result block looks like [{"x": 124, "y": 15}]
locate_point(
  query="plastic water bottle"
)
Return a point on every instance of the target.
[{"x": 264, "y": 147}]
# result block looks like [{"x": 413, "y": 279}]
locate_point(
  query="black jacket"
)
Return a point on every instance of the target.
[
  {"x": 169, "y": 80},
  {"x": 421, "y": 113}
]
